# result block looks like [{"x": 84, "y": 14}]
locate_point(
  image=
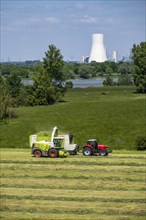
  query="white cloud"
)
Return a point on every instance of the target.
[
  {"x": 52, "y": 20},
  {"x": 34, "y": 20},
  {"x": 47, "y": 20},
  {"x": 88, "y": 20},
  {"x": 38, "y": 21}
]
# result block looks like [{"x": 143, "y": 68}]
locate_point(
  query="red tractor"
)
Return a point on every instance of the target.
[{"x": 93, "y": 148}]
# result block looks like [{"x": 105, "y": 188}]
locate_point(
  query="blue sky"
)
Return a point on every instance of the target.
[{"x": 29, "y": 26}]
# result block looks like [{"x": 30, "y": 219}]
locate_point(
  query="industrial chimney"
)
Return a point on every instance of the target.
[{"x": 98, "y": 50}]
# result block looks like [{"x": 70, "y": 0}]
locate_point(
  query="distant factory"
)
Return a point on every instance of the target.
[{"x": 98, "y": 51}]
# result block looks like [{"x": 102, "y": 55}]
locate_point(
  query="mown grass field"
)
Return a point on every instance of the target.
[
  {"x": 76, "y": 187},
  {"x": 113, "y": 115}
]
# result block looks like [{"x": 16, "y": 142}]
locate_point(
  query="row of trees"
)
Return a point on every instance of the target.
[
  {"x": 95, "y": 69},
  {"x": 73, "y": 70},
  {"x": 49, "y": 77},
  {"x": 23, "y": 72}
]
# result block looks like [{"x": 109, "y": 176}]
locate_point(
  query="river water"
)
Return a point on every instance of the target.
[
  {"x": 83, "y": 83},
  {"x": 78, "y": 83}
]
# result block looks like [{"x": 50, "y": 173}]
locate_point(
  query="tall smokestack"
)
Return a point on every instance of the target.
[{"x": 98, "y": 50}]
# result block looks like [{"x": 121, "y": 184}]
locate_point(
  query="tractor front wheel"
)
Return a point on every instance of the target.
[
  {"x": 87, "y": 151},
  {"x": 53, "y": 153},
  {"x": 37, "y": 153}
]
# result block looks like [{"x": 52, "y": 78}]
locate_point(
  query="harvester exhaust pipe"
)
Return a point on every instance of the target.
[{"x": 71, "y": 137}]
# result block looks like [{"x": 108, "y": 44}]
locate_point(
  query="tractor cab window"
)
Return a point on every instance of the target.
[{"x": 93, "y": 143}]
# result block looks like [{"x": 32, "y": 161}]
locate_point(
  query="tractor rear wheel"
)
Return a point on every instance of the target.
[
  {"x": 37, "y": 153},
  {"x": 87, "y": 151},
  {"x": 53, "y": 153},
  {"x": 103, "y": 153}
]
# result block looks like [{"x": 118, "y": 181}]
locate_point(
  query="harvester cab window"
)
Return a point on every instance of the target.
[{"x": 57, "y": 142}]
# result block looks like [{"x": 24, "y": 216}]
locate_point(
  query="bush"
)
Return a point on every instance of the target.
[
  {"x": 141, "y": 143},
  {"x": 124, "y": 80},
  {"x": 108, "y": 81},
  {"x": 69, "y": 84}
]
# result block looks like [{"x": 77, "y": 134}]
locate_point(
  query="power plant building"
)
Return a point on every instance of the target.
[
  {"x": 98, "y": 49},
  {"x": 115, "y": 56}
]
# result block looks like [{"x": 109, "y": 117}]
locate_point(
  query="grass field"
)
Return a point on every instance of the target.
[
  {"x": 76, "y": 187},
  {"x": 115, "y": 116}
]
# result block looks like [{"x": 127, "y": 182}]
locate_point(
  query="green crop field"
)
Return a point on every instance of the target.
[
  {"x": 76, "y": 187},
  {"x": 113, "y": 115}
]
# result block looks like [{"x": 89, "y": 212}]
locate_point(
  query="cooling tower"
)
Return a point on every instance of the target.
[{"x": 98, "y": 50}]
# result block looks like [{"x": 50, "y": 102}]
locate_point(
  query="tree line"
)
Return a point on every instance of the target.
[
  {"x": 50, "y": 75},
  {"x": 72, "y": 70}
]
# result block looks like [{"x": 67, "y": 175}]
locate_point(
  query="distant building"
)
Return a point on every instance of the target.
[
  {"x": 85, "y": 59},
  {"x": 115, "y": 56}
]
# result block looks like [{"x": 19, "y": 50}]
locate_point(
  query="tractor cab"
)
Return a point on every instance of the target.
[{"x": 93, "y": 143}]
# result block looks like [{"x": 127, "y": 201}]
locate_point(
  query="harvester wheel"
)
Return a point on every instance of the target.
[
  {"x": 37, "y": 153},
  {"x": 53, "y": 153},
  {"x": 87, "y": 151},
  {"x": 103, "y": 153}
]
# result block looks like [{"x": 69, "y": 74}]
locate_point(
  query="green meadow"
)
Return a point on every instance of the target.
[
  {"x": 76, "y": 187},
  {"x": 113, "y": 115}
]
